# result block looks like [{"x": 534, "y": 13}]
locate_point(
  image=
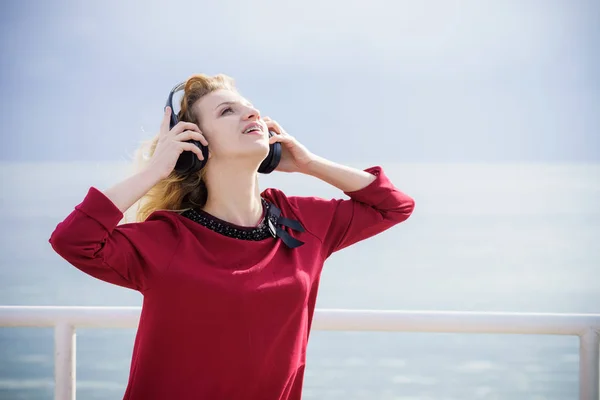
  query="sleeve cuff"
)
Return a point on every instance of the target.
[{"x": 100, "y": 208}]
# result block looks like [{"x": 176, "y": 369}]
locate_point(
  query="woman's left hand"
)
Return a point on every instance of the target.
[{"x": 294, "y": 156}]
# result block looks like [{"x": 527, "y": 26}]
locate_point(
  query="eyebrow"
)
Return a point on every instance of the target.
[{"x": 232, "y": 102}]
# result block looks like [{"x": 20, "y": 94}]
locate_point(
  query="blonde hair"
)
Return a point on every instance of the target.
[{"x": 178, "y": 193}]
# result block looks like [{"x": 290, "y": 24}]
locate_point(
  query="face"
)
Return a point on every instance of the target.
[{"x": 232, "y": 126}]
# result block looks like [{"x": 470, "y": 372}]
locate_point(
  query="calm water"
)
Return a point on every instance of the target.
[{"x": 520, "y": 238}]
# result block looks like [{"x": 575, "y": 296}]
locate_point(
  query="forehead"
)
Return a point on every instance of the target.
[{"x": 212, "y": 100}]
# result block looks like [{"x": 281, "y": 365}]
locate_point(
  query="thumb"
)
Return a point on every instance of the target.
[{"x": 164, "y": 126}]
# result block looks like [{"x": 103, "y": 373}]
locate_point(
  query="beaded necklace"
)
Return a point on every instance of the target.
[
  {"x": 260, "y": 232},
  {"x": 270, "y": 225}
]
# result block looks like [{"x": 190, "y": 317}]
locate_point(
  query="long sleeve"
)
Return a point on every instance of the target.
[
  {"x": 340, "y": 223},
  {"x": 126, "y": 255}
]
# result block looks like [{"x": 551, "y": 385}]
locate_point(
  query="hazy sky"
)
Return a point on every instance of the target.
[{"x": 405, "y": 81}]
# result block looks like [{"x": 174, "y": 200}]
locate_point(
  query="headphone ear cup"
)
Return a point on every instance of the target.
[
  {"x": 188, "y": 162},
  {"x": 264, "y": 167},
  {"x": 273, "y": 158}
]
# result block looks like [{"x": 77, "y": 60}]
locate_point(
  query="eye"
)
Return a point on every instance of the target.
[{"x": 226, "y": 110}]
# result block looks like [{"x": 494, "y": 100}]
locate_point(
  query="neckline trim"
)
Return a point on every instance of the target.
[
  {"x": 209, "y": 221},
  {"x": 265, "y": 207}
]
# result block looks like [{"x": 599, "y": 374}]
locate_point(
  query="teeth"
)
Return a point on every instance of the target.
[{"x": 251, "y": 129}]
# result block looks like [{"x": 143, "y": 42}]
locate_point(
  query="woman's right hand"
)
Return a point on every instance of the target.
[{"x": 171, "y": 143}]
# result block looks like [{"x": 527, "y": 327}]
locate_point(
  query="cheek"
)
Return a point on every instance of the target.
[
  {"x": 222, "y": 135},
  {"x": 218, "y": 141}
]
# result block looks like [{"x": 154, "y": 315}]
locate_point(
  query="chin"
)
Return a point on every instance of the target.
[{"x": 257, "y": 150}]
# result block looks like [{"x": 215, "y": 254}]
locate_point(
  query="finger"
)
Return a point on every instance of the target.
[
  {"x": 273, "y": 126},
  {"x": 164, "y": 125},
  {"x": 189, "y": 135},
  {"x": 278, "y": 138},
  {"x": 276, "y": 127},
  {"x": 193, "y": 148},
  {"x": 184, "y": 126}
]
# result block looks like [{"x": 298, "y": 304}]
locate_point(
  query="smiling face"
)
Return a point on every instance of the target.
[{"x": 231, "y": 125}]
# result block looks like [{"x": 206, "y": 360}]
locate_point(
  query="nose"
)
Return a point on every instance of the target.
[{"x": 251, "y": 113}]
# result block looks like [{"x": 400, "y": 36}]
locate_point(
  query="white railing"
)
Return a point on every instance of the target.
[{"x": 66, "y": 319}]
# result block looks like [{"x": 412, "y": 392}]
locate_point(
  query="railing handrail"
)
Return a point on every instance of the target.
[
  {"x": 66, "y": 319},
  {"x": 330, "y": 319}
]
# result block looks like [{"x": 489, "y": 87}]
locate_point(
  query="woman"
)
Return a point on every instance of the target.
[{"x": 229, "y": 274}]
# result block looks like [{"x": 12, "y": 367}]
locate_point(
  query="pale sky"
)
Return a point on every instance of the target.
[{"x": 396, "y": 81}]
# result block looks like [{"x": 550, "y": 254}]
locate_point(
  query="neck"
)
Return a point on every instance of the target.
[{"x": 233, "y": 193}]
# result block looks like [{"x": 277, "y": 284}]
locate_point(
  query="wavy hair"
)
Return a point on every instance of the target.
[{"x": 178, "y": 193}]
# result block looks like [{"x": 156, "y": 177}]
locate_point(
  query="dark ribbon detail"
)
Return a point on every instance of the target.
[{"x": 274, "y": 219}]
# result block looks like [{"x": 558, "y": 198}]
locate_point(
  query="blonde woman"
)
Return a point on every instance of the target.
[{"x": 229, "y": 273}]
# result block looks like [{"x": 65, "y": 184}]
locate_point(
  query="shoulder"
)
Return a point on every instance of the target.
[
  {"x": 160, "y": 227},
  {"x": 314, "y": 213},
  {"x": 298, "y": 205}
]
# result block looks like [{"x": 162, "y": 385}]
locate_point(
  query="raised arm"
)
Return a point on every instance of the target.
[
  {"x": 126, "y": 255},
  {"x": 374, "y": 206}
]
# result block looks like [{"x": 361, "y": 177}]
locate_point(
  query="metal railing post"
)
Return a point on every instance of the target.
[
  {"x": 64, "y": 361},
  {"x": 589, "y": 365}
]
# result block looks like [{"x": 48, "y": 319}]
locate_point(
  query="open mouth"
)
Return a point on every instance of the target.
[{"x": 253, "y": 129}]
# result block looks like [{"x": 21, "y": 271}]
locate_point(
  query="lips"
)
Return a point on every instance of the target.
[{"x": 253, "y": 128}]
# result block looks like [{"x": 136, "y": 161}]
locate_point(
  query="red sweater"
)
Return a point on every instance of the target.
[{"x": 222, "y": 318}]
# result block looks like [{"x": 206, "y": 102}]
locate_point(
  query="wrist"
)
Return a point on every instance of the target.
[
  {"x": 150, "y": 176},
  {"x": 312, "y": 165}
]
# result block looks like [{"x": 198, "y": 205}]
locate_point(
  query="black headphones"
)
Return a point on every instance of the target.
[{"x": 189, "y": 163}]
